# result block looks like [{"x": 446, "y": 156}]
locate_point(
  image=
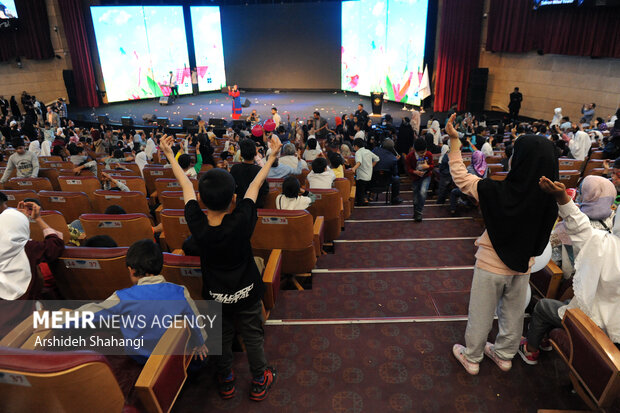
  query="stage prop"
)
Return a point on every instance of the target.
[{"x": 377, "y": 102}]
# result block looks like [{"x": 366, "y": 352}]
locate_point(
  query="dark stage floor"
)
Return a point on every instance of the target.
[{"x": 218, "y": 105}]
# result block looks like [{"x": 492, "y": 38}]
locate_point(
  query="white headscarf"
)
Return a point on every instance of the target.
[
  {"x": 150, "y": 149},
  {"x": 15, "y": 272},
  {"x": 444, "y": 151},
  {"x": 580, "y": 145},
  {"x": 557, "y": 117},
  {"x": 141, "y": 161},
  {"x": 597, "y": 281},
  {"x": 35, "y": 147},
  {"x": 436, "y": 131},
  {"x": 46, "y": 148}
]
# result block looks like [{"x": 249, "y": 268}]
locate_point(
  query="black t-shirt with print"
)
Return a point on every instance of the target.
[{"x": 229, "y": 273}]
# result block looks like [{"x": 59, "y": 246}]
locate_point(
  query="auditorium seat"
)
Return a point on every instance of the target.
[
  {"x": 569, "y": 178},
  {"x": 350, "y": 175},
  {"x": 593, "y": 359},
  {"x": 275, "y": 183},
  {"x": 546, "y": 282},
  {"x": 185, "y": 270},
  {"x": 270, "y": 200},
  {"x": 567, "y": 164},
  {"x": 171, "y": 184},
  {"x": 55, "y": 220},
  {"x": 151, "y": 173},
  {"x": 597, "y": 155},
  {"x": 119, "y": 172},
  {"x": 132, "y": 166},
  {"x": 592, "y": 164},
  {"x": 493, "y": 159},
  {"x": 70, "y": 204},
  {"x": 69, "y": 172},
  {"x": 133, "y": 202},
  {"x": 16, "y": 195},
  {"x": 495, "y": 167},
  {"x": 175, "y": 228},
  {"x": 51, "y": 158},
  {"x": 124, "y": 229},
  {"x": 84, "y": 273},
  {"x": 303, "y": 178},
  {"x": 58, "y": 165},
  {"x": 499, "y": 176},
  {"x": 84, "y": 381},
  {"x": 295, "y": 233},
  {"x": 34, "y": 184},
  {"x": 171, "y": 200},
  {"x": 595, "y": 171},
  {"x": 86, "y": 184},
  {"x": 51, "y": 174},
  {"x": 328, "y": 204},
  {"x": 344, "y": 188}
]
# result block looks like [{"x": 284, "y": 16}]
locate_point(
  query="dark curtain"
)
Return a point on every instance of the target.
[
  {"x": 32, "y": 37},
  {"x": 458, "y": 53},
  {"x": 83, "y": 74},
  {"x": 514, "y": 26}
]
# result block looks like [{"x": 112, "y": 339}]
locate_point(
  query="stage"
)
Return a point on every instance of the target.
[{"x": 218, "y": 105}]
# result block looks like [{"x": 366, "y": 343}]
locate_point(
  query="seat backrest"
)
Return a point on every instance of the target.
[
  {"x": 51, "y": 158},
  {"x": 350, "y": 175},
  {"x": 39, "y": 381},
  {"x": 275, "y": 183},
  {"x": 132, "y": 201},
  {"x": 69, "y": 172},
  {"x": 171, "y": 184},
  {"x": 151, "y": 173},
  {"x": 184, "y": 270},
  {"x": 597, "y": 155},
  {"x": 58, "y": 165},
  {"x": 119, "y": 172},
  {"x": 55, "y": 220},
  {"x": 592, "y": 164},
  {"x": 51, "y": 174},
  {"x": 328, "y": 204},
  {"x": 567, "y": 164},
  {"x": 499, "y": 176},
  {"x": 84, "y": 273},
  {"x": 164, "y": 374},
  {"x": 171, "y": 199},
  {"x": 344, "y": 188},
  {"x": 593, "y": 357},
  {"x": 124, "y": 229},
  {"x": 493, "y": 159},
  {"x": 270, "y": 200},
  {"x": 86, "y": 184},
  {"x": 495, "y": 167},
  {"x": 16, "y": 195},
  {"x": 175, "y": 227},
  {"x": 70, "y": 204},
  {"x": 569, "y": 178},
  {"x": 35, "y": 184},
  {"x": 132, "y": 166}
]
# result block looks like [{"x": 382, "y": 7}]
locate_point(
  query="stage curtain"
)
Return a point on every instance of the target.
[
  {"x": 83, "y": 74},
  {"x": 514, "y": 26},
  {"x": 458, "y": 53},
  {"x": 32, "y": 38}
]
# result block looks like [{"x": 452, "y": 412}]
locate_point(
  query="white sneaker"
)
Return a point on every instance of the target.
[
  {"x": 489, "y": 351},
  {"x": 459, "y": 352}
]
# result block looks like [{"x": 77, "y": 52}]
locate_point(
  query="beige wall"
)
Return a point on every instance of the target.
[
  {"x": 551, "y": 81},
  {"x": 43, "y": 78}
]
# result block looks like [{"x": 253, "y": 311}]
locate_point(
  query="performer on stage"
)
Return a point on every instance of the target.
[
  {"x": 174, "y": 88},
  {"x": 236, "y": 102}
]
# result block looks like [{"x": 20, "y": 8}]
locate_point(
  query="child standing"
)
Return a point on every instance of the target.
[
  {"x": 519, "y": 217},
  {"x": 419, "y": 166},
  {"x": 229, "y": 273},
  {"x": 365, "y": 160}
]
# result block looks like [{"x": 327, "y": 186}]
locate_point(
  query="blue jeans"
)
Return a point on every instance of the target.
[{"x": 420, "y": 188}]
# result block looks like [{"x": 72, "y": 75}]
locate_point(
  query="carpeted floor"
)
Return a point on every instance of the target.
[{"x": 376, "y": 330}]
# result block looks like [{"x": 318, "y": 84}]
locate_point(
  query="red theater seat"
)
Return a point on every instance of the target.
[
  {"x": 86, "y": 184},
  {"x": 33, "y": 184},
  {"x": 15, "y": 196},
  {"x": 124, "y": 229},
  {"x": 55, "y": 220},
  {"x": 132, "y": 202},
  {"x": 175, "y": 228},
  {"x": 70, "y": 204},
  {"x": 328, "y": 204}
]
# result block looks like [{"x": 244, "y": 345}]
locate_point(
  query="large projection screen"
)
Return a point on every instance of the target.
[
  {"x": 383, "y": 47},
  {"x": 138, "y": 47},
  {"x": 208, "y": 47}
]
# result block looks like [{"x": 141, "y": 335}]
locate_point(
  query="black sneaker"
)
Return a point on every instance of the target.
[
  {"x": 260, "y": 389},
  {"x": 226, "y": 386},
  {"x": 417, "y": 216},
  {"x": 397, "y": 201}
]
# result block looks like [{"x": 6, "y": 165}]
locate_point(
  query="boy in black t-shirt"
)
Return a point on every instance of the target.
[{"x": 229, "y": 273}]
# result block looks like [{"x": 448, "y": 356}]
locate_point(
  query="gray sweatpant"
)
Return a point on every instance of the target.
[{"x": 487, "y": 291}]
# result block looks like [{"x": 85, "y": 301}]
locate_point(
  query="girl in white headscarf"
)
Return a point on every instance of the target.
[
  {"x": 46, "y": 148},
  {"x": 15, "y": 275},
  {"x": 35, "y": 147},
  {"x": 580, "y": 145},
  {"x": 436, "y": 131},
  {"x": 557, "y": 117}
]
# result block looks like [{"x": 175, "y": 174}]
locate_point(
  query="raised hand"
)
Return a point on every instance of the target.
[
  {"x": 557, "y": 189},
  {"x": 275, "y": 145},
  {"x": 165, "y": 144},
  {"x": 452, "y": 133}
]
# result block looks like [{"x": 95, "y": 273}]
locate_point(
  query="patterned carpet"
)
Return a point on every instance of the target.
[
  {"x": 397, "y": 358},
  {"x": 382, "y": 367}
]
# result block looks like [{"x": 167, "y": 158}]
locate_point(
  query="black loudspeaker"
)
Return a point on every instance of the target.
[
  {"x": 189, "y": 123},
  {"x": 126, "y": 121},
  {"x": 161, "y": 121},
  {"x": 216, "y": 122},
  {"x": 246, "y": 103},
  {"x": 149, "y": 117},
  {"x": 103, "y": 119},
  {"x": 477, "y": 89},
  {"x": 67, "y": 76},
  {"x": 239, "y": 123}
]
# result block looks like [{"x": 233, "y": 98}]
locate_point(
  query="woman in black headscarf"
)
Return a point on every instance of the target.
[
  {"x": 519, "y": 218},
  {"x": 17, "y": 114}
]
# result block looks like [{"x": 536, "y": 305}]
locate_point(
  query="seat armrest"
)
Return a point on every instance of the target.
[
  {"x": 271, "y": 277},
  {"x": 319, "y": 231},
  {"x": 555, "y": 281}
]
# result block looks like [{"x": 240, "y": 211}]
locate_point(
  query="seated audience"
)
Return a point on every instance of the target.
[
  {"x": 291, "y": 158},
  {"x": 245, "y": 172},
  {"x": 185, "y": 162},
  {"x": 596, "y": 282},
  {"x": 321, "y": 176},
  {"x": 312, "y": 150},
  {"x": 26, "y": 163}
]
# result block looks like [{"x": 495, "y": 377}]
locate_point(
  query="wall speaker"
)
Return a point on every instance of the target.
[
  {"x": 161, "y": 121},
  {"x": 189, "y": 123},
  {"x": 103, "y": 119},
  {"x": 216, "y": 122},
  {"x": 246, "y": 103},
  {"x": 126, "y": 121}
]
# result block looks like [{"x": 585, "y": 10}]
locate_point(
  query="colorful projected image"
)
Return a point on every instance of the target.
[
  {"x": 208, "y": 47},
  {"x": 138, "y": 48},
  {"x": 7, "y": 9},
  {"x": 383, "y": 47}
]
